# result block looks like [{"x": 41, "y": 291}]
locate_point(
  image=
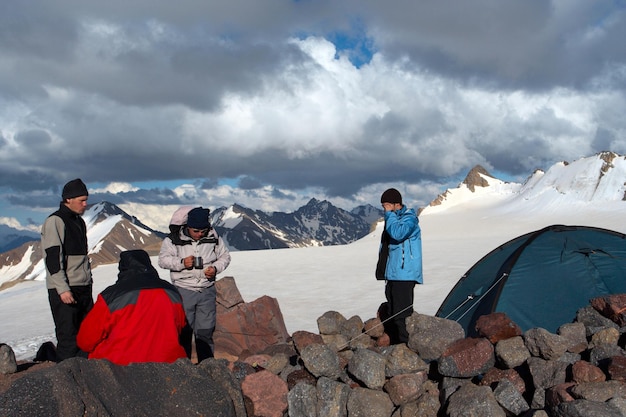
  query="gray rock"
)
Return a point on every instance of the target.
[
  {"x": 336, "y": 342},
  {"x": 471, "y": 400},
  {"x": 601, "y": 391},
  {"x": 353, "y": 328},
  {"x": 401, "y": 360},
  {"x": 362, "y": 341},
  {"x": 593, "y": 320},
  {"x": 601, "y": 355},
  {"x": 546, "y": 374},
  {"x": 81, "y": 387},
  {"x": 576, "y": 335},
  {"x": 368, "y": 367},
  {"x": 330, "y": 322},
  {"x": 546, "y": 345},
  {"x": 429, "y": 336},
  {"x": 510, "y": 398},
  {"x": 619, "y": 404},
  {"x": 511, "y": 352},
  {"x": 427, "y": 405},
  {"x": 332, "y": 398},
  {"x": 8, "y": 364},
  {"x": 302, "y": 400},
  {"x": 569, "y": 358},
  {"x": 449, "y": 386},
  {"x": 321, "y": 360},
  {"x": 219, "y": 370},
  {"x": 364, "y": 402},
  {"x": 538, "y": 401},
  {"x": 585, "y": 408}
]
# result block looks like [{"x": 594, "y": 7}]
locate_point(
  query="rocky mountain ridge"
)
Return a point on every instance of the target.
[{"x": 111, "y": 231}]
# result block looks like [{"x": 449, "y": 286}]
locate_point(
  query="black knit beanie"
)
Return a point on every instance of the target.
[
  {"x": 198, "y": 218},
  {"x": 391, "y": 196},
  {"x": 74, "y": 188}
]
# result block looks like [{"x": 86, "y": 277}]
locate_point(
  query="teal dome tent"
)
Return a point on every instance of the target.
[{"x": 540, "y": 279}]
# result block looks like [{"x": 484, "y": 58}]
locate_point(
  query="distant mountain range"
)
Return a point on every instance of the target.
[
  {"x": 11, "y": 238},
  {"x": 597, "y": 180},
  {"x": 110, "y": 231}
]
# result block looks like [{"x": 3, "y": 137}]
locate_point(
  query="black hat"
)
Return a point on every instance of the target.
[
  {"x": 74, "y": 188},
  {"x": 198, "y": 218},
  {"x": 134, "y": 262},
  {"x": 391, "y": 196}
]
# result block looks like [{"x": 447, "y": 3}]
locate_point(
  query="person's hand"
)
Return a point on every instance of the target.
[
  {"x": 388, "y": 206},
  {"x": 67, "y": 297},
  {"x": 210, "y": 272},
  {"x": 188, "y": 262}
]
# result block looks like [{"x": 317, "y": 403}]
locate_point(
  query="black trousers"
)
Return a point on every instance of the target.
[
  {"x": 67, "y": 319},
  {"x": 399, "y": 296}
]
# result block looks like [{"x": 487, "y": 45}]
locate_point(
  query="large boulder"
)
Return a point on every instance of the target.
[
  {"x": 81, "y": 387},
  {"x": 245, "y": 327}
]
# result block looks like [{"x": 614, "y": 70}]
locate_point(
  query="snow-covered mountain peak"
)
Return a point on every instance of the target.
[
  {"x": 478, "y": 188},
  {"x": 596, "y": 178},
  {"x": 600, "y": 178}
]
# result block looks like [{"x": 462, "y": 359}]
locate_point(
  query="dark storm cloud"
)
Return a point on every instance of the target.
[
  {"x": 33, "y": 139},
  {"x": 157, "y": 196},
  {"x": 338, "y": 96},
  {"x": 249, "y": 183},
  {"x": 510, "y": 43}
]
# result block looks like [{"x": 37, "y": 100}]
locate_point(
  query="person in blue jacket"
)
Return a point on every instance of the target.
[{"x": 399, "y": 262}]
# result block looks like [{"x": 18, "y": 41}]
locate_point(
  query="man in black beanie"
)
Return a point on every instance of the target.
[
  {"x": 68, "y": 270},
  {"x": 399, "y": 263}
]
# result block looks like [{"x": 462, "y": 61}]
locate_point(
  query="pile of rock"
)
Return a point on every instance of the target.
[{"x": 349, "y": 369}]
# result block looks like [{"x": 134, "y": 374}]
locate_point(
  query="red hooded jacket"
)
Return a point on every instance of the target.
[{"x": 137, "y": 319}]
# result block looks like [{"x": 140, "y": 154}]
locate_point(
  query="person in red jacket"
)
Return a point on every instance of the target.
[{"x": 137, "y": 319}]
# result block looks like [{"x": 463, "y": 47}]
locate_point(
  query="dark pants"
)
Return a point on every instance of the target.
[
  {"x": 67, "y": 319},
  {"x": 399, "y": 296}
]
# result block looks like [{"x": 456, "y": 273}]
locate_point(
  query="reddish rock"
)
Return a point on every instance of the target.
[
  {"x": 228, "y": 294},
  {"x": 611, "y": 306},
  {"x": 267, "y": 393},
  {"x": 494, "y": 375},
  {"x": 302, "y": 339},
  {"x": 405, "y": 388},
  {"x": 559, "y": 393},
  {"x": 617, "y": 368},
  {"x": 496, "y": 327},
  {"x": 250, "y": 327},
  {"x": 374, "y": 328},
  {"x": 383, "y": 340},
  {"x": 467, "y": 358},
  {"x": 583, "y": 371}
]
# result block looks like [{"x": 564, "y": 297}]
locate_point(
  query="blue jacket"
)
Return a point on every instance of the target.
[{"x": 404, "y": 262}]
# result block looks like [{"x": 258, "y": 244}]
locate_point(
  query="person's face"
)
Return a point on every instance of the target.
[
  {"x": 391, "y": 206},
  {"x": 77, "y": 204},
  {"x": 196, "y": 234}
]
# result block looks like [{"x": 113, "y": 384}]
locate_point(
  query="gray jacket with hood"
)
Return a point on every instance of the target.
[{"x": 211, "y": 248}]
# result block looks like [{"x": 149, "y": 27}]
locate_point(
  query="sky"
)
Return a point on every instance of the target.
[{"x": 268, "y": 104}]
